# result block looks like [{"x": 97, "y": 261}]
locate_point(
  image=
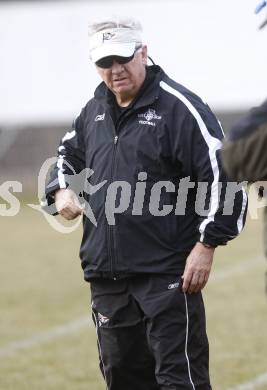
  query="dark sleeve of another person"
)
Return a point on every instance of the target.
[{"x": 244, "y": 151}]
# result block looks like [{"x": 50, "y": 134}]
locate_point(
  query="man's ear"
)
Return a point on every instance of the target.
[{"x": 144, "y": 55}]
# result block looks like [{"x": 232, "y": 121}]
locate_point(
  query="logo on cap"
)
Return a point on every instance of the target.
[{"x": 108, "y": 36}]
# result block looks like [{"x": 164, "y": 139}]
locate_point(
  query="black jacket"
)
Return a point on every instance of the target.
[{"x": 170, "y": 134}]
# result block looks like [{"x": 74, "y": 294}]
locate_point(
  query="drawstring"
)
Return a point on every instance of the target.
[{"x": 151, "y": 60}]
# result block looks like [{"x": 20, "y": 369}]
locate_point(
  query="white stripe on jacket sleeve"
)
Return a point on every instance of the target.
[
  {"x": 60, "y": 174},
  {"x": 213, "y": 144},
  {"x": 240, "y": 222}
]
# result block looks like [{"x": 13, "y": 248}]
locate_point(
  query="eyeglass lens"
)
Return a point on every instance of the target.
[{"x": 107, "y": 62}]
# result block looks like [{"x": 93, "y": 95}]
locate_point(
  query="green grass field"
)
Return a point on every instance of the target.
[{"x": 42, "y": 287}]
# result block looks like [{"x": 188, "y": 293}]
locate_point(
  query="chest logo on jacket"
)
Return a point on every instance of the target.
[
  {"x": 148, "y": 116},
  {"x": 100, "y": 117}
]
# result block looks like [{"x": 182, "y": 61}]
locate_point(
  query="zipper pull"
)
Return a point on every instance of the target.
[{"x": 116, "y": 139}]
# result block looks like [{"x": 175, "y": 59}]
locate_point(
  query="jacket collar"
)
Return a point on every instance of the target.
[{"x": 146, "y": 95}]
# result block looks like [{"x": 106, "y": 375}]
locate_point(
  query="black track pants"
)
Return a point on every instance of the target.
[{"x": 151, "y": 336}]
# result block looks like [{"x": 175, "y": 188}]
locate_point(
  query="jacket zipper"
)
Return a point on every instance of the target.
[{"x": 109, "y": 227}]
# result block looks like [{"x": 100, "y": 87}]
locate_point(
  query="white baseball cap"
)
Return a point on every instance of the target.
[{"x": 115, "y": 41}]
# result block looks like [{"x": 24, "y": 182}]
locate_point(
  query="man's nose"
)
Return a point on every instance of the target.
[{"x": 116, "y": 67}]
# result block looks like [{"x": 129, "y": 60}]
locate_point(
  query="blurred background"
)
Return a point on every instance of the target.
[{"x": 212, "y": 47}]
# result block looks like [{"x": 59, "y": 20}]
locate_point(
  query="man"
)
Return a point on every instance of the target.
[
  {"x": 144, "y": 136},
  {"x": 244, "y": 151}
]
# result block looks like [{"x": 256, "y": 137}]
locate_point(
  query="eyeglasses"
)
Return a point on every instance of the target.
[{"x": 107, "y": 62}]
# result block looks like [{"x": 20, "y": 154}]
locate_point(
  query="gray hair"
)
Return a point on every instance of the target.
[{"x": 102, "y": 24}]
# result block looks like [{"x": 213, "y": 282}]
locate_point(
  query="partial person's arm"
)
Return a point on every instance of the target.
[
  {"x": 244, "y": 151},
  {"x": 60, "y": 198},
  {"x": 200, "y": 151}
]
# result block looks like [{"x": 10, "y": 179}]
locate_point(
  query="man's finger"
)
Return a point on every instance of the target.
[
  {"x": 201, "y": 282},
  {"x": 194, "y": 283},
  {"x": 187, "y": 276},
  {"x": 206, "y": 278},
  {"x": 70, "y": 213}
]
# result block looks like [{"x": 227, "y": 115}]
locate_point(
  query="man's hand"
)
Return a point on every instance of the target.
[
  {"x": 67, "y": 204},
  {"x": 197, "y": 268}
]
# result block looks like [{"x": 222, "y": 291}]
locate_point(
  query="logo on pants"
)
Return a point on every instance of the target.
[
  {"x": 102, "y": 320},
  {"x": 173, "y": 285}
]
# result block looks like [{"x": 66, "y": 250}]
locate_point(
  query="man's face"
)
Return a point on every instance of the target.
[{"x": 125, "y": 80}]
